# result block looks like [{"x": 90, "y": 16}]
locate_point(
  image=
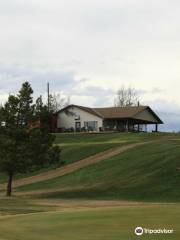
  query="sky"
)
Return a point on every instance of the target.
[{"x": 87, "y": 49}]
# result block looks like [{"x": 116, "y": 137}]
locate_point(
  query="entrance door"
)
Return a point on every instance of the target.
[{"x": 78, "y": 126}]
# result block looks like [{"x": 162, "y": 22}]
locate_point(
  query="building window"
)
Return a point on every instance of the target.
[
  {"x": 77, "y": 117},
  {"x": 91, "y": 126}
]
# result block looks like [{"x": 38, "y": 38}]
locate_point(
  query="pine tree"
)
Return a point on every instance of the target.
[{"x": 25, "y": 145}]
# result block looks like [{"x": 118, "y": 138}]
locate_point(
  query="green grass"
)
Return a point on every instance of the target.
[
  {"x": 75, "y": 153},
  {"x": 15, "y": 206},
  {"x": 70, "y": 154},
  {"x": 116, "y": 223},
  {"x": 85, "y": 138},
  {"x": 146, "y": 173},
  {"x": 76, "y": 146}
]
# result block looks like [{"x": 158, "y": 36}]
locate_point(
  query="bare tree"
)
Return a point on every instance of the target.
[
  {"x": 57, "y": 102},
  {"x": 126, "y": 97}
]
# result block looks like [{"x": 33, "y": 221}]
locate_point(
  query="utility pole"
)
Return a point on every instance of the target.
[
  {"x": 41, "y": 100},
  {"x": 48, "y": 96}
]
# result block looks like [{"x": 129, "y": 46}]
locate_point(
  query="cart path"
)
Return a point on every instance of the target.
[{"x": 61, "y": 171}]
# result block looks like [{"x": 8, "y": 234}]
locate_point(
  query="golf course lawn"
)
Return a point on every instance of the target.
[
  {"x": 145, "y": 173},
  {"x": 103, "y": 201},
  {"x": 110, "y": 223},
  {"x": 95, "y": 138},
  {"x": 77, "y": 146}
]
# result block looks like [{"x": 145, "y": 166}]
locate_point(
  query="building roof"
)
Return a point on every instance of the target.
[
  {"x": 125, "y": 112},
  {"x": 117, "y": 112},
  {"x": 86, "y": 109},
  {"x": 90, "y": 110}
]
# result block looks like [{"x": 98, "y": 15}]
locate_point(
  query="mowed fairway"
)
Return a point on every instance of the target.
[
  {"x": 105, "y": 200},
  {"x": 144, "y": 173},
  {"x": 116, "y": 223},
  {"x": 77, "y": 146}
]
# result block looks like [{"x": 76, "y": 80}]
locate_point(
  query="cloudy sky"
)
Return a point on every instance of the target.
[{"x": 87, "y": 49}]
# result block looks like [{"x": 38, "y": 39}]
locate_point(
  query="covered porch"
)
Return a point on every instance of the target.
[{"x": 128, "y": 125}]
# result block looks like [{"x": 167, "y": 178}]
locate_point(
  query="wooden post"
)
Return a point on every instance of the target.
[
  {"x": 156, "y": 127},
  {"x": 127, "y": 126},
  {"x": 138, "y": 127},
  {"x": 146, "y": 127}
]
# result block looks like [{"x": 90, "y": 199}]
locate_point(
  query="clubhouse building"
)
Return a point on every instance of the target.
[{"x": 74, "y": 118}]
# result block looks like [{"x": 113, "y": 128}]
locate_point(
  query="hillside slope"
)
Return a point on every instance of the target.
[
  {"x": 78, "y": 146},
  {"x": 63, "y": 170},
  {"x": 146, "y": 173}
]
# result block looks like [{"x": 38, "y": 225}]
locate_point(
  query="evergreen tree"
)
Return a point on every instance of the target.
[{"x": 25, "y": 145}]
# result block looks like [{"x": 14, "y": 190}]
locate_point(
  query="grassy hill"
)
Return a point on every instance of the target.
[
  {"x": 106, "y": 200},
  {"x": 97, "y": 138},
  {"x": 146, "y": 173},
  {"x": 77, "y": 146}
]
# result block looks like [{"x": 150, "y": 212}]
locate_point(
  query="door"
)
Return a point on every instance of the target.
[{"x": 78, "y": 126}]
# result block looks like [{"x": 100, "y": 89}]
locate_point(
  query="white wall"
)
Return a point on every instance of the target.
[{"x": 67, "y": 120}]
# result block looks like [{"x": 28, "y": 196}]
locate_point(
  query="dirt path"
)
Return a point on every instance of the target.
[
  {"x": 60, "y": 206},
  {"x": 73, "y": 166},
  {"x": 86, "y": 204}
]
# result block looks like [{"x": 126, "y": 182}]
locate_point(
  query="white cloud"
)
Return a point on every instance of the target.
[{"x": 108, "y": 43}]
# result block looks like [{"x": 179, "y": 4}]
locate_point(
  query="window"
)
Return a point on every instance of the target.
[
  {"x": 77, "y": 117},
  {"x": 91, "y": 125}
]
